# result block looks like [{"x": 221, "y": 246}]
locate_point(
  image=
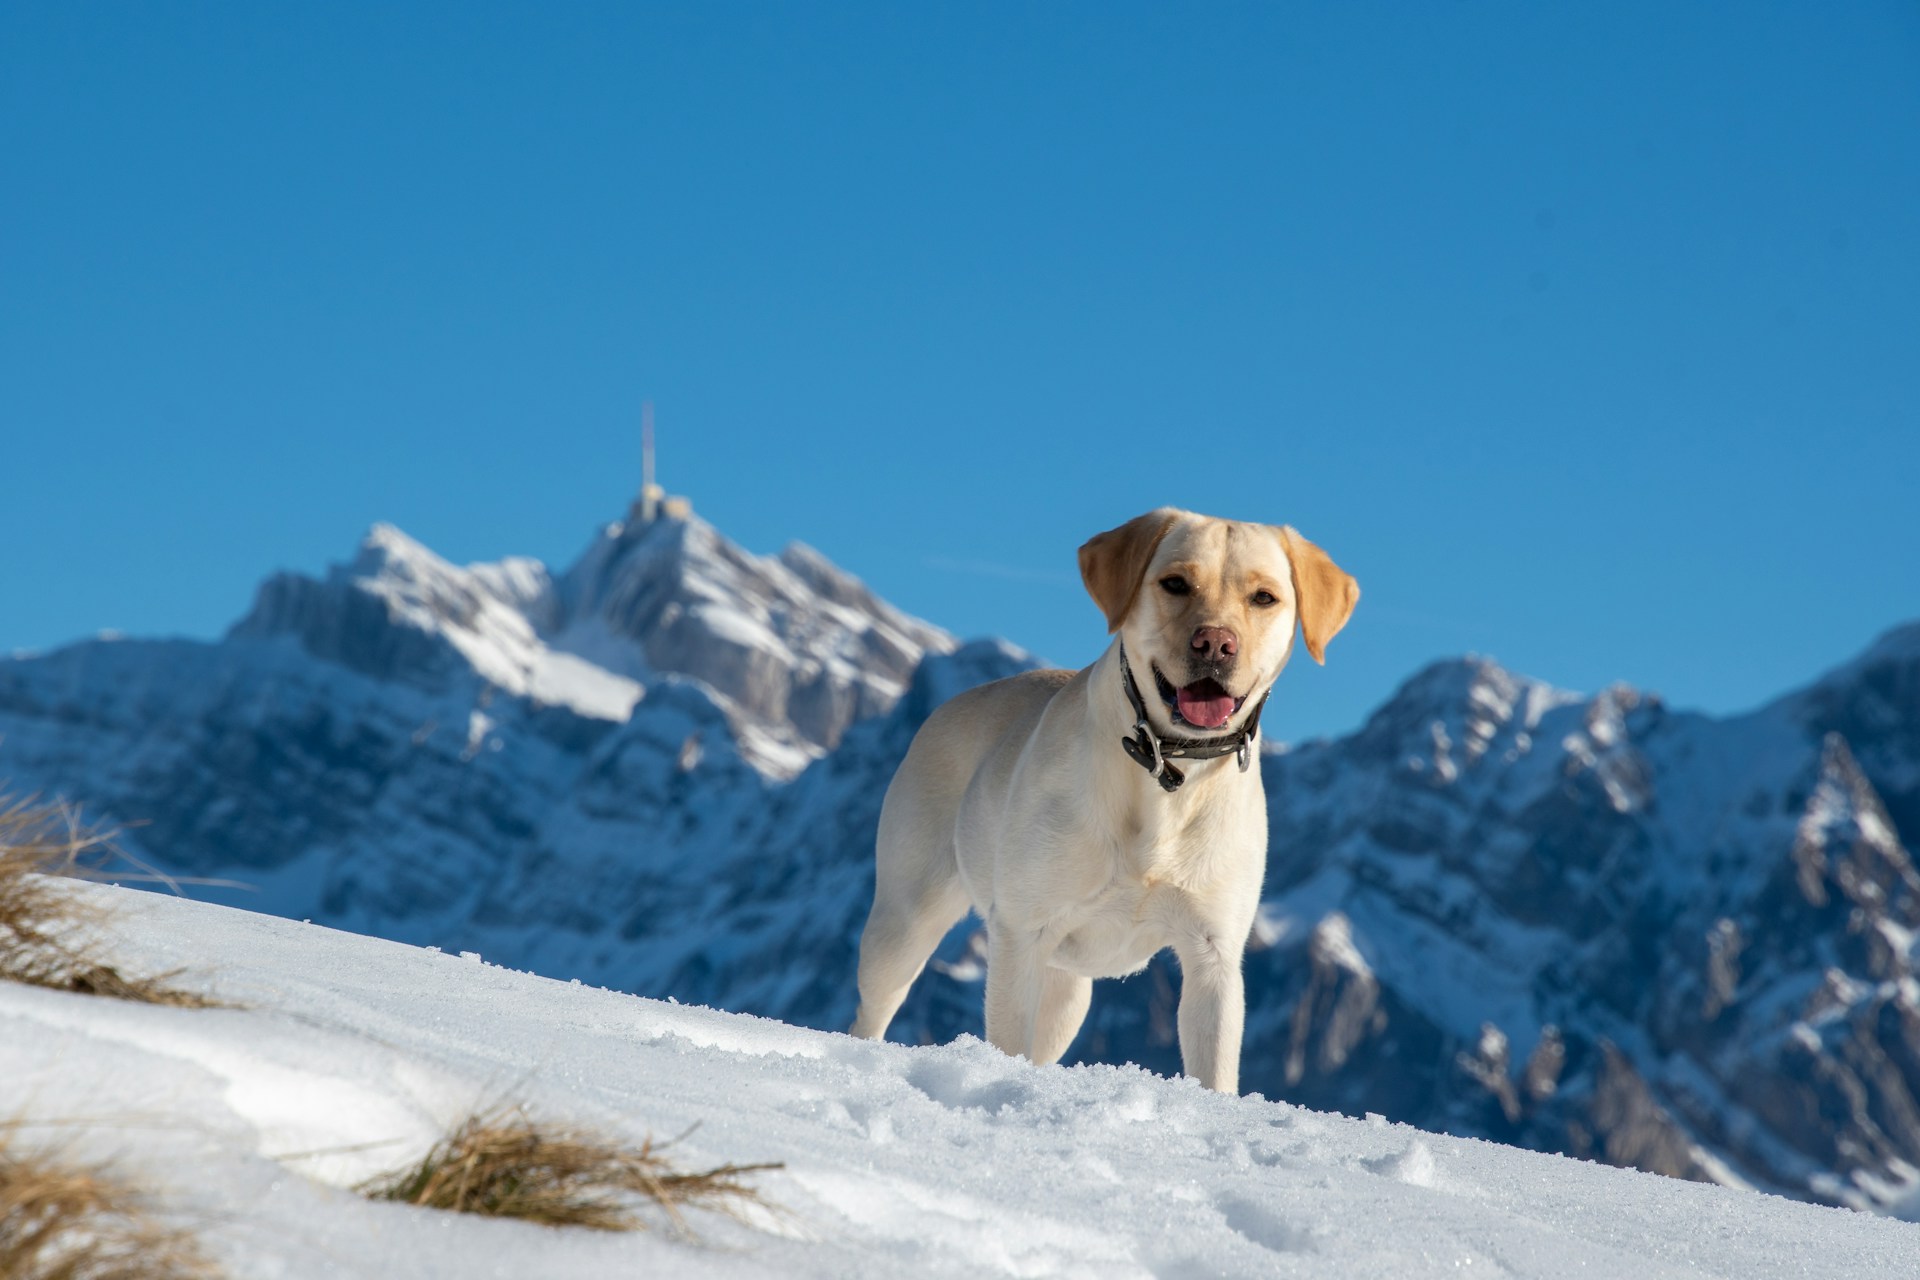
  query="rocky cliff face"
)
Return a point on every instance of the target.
[{"x": 1594, "y": 925}]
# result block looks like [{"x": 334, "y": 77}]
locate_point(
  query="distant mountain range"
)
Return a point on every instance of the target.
[{"x": 1585, "y": 924}]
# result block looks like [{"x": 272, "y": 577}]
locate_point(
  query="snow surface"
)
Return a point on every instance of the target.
[{"x": 349, "y": 1054}]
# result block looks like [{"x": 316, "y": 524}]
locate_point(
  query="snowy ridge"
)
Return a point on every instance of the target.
[{"x": 350, "y": 1055}]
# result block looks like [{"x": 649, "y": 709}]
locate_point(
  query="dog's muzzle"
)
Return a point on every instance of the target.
[{"x": 1153, "y": 753}]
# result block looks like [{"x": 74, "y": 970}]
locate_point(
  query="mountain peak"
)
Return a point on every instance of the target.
[
  {"x": 789, "y": 641},
  {"x": 383, "y": 540},
  {"x": 1473, "y": 687},
  {"x": 791, "y": 647}
]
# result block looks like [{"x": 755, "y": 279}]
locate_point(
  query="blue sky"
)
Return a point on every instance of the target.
[{"x": 1585, "y": 336}]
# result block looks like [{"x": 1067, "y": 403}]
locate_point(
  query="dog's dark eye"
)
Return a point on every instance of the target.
[
  {"x": 1265, "y": 598},
  {"x": 1175, "y": 585}
]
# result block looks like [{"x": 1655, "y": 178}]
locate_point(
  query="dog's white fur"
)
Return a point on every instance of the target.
[{"x": 1017, "y": 800}]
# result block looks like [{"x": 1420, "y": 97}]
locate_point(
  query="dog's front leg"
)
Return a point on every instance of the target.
[
  {"x": 1064, "y": 998},
  {"x": 1014, "y": 971},
  {"x": 1213, "y": 1007}
]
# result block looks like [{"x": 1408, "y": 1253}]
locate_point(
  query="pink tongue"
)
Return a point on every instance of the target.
[{"x": 1206, "y": 712}]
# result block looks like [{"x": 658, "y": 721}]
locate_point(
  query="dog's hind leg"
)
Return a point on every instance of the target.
[{"x": 905, "y": 925}]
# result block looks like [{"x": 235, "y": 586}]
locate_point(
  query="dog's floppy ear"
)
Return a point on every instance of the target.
[
  {"x": 1325, "y": 592},
  {"x": 1112, "y": 563}
]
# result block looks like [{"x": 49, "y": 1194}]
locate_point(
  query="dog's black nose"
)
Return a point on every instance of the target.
[{"x": 1215, "y": 644}]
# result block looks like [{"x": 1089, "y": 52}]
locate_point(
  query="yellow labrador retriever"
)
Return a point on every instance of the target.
[{"x": 1094, "y": 817}]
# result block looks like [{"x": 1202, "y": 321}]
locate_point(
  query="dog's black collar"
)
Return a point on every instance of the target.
[{"x": 1152, "y": 752}]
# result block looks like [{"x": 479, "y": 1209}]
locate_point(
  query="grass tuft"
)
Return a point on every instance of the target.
[
  {"x": 49, "y": 934},
  {"x": 62, "y": 1221},
  {"x": 503, "y": 1164}
]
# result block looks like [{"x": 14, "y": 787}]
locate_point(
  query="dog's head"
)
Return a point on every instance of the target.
[{"x": 1207, "y": 609}]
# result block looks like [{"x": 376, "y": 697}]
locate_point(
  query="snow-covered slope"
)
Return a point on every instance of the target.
[
  {"x": 350, "y": 1055},
  {"x": 1585, "y": 924}
]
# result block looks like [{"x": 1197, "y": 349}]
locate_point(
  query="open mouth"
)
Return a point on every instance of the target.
[{"x": 1204, "y": 704}]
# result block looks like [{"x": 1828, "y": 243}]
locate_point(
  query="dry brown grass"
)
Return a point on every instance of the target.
[
  {"x": 49, "y": 935},
  {"x": 503, "y": 1164},
  {"x": 66, "y": 1221}
]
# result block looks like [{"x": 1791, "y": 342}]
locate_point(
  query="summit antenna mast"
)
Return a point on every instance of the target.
[{"x": 649, "y": 491}]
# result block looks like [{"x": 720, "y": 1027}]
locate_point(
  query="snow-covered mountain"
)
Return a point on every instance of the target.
[
  {"x": 791, "y": 649},
  {"x": 1592, "y": 925}
]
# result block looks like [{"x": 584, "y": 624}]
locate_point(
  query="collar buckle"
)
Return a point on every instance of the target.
[
  {"x": 1145, "y": 735},
  {"x": 1146, "y": 749}
]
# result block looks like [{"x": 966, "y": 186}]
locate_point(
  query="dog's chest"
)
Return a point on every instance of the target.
[
  {"x": 1114, "y": 935},
  {"x": 1139, "y": 911}
]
